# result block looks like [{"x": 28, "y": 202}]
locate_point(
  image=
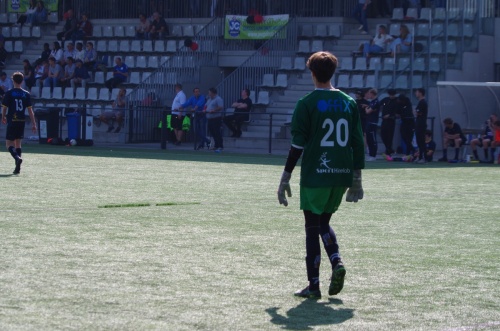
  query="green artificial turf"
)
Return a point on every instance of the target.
[{"x": 210, "y": 248}]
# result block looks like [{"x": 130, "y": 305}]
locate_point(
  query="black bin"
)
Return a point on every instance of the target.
[{"x": 48, "y": 124}]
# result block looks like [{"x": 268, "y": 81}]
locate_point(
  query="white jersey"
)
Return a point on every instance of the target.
[{"x": 179, "y": 100}]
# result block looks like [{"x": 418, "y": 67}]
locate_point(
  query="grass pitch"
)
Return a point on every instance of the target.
[{"x": 209, "y": 248}]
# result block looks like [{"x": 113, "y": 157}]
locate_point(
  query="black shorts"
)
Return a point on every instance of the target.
[
  {"x": 176, "y": 122},
  {"x": 15, "y": 130},
  {"x": 451, "y": 143}
]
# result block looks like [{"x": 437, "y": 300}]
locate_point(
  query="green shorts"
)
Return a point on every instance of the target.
[{"x": 321, "y": 200}]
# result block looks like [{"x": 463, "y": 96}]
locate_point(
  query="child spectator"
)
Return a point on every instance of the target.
[
  {"x": 430, "y": 146},
  {"x": 452, "y": 137}
]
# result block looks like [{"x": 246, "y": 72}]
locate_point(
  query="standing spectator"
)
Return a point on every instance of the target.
[
  {"x": 29, "y": 12},
  {"x": 29, "y": 74},
  {"x": 486, "y": 138},
  {"x": 81, "y": 75},
  {"x": 84, "y": 29},
  {"x": 377, "y": 44},
  {"x": 242, "y": 109},
  {"x": 177, "y": 114},
  {"x": 452, "y": 137},
  {"x": 142, "y": 30},
  {"x": 40, "y": 15},
  {"x": 407, "y": 128},
  {"x": 389, "y": 107},
  {"x": 90, "y": 56},
  {"x": 69, "y": 72},
  {"x": 70, "y": 27},
  {"x": 3, "y": 55},
  {"x": 79, "y": 52},
  {"x": 361, "y": 102},
  {"x": 117, "y": 114},
  {"x": 372, "y": 113},
  {"x": 331, "y": 165},
  {"x": 403, "y": 43},
  {"x": 421, "y": 112},
  {"x": 14, "y": 106},
  {"x": 360, "y": 13},
  {"x": 69, "y": 52},
  {"x": 159, "y": 28},
  {"x": 120, "y": 74},
  {"x": 57, "y": 52},
  {"x": 213, "y": 109},
  {"x": 46, "y": 52},
  {"x": 54, "y": 74},
  {"x": 5, "y": 84},
  {"x": 196, "y": 103}
]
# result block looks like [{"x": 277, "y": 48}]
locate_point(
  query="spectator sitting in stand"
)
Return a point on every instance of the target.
[
  {"x": 142, "y": 30},
  {"x": 46, "y": 52},
  {"x": 452, "y": 137},
  {"x": 70, "y": 27},
  {"x": 80, "y": 76},
  {"x": 79, "y": 52},
  {"x": 90, "y": 56},
  {"x": 69, "y": 52},
  {"x": 84, "y": 29},
  {"x": 69, "y": 72},
  {"x": 54, "y": 74},
  {"x": 29, "y": 12},
  {"x": 377, "y": 44},
  {"x": 41, "y": 73},
  {"x": 403, "y": 43},
  {"x": 40, "y": 15},
  {"x": 485, "y": 140},
  {"x": 3, "y": 55},
  {"x": 159, "y": 28},
  {"x": 120, "y": 74},
  {"x": 5, "y": 84},
  {"x": 29, "y": 74},
  {"x": 57, "y": 52},
  {"x": 118, "y": 112},
  {"x": 241, "y": 113}
]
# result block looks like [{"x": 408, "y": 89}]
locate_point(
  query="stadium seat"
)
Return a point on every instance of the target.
[
  {"x": 469, "y": 15},
  {"x": 153, "y": 62},
  {"x": 198, "y": 28},
  {"x": 124, "y": 46},
  {"x": 147, "y": 45},
  {"x": 375, "y": 63},
  {"x": 357, "y": 81},
  {"x": 97, "y": 31},
  {"x": 46, "y": 94},
  {"x": 343, "y": 81},
  {"x": 164, "y": 58},
  {"x": 282, "y": 80},
  {"x": 25, "y": 32},
  {"x": 104, "y": 94},
  {"x": 334, "y": 31},
  {"x": 69, "y": 93},
  {"x": 321, "y": 31},
  {"x": 102, "y": 46},
  {"x": 188, "y": 31},
  {"x": 402, "y": 82},
  {"x": 385, "y": 81},
  {"x": 6, "y": 31},
  {"x": 18, "y": 46},
  {"x": 107, "y": 31},
  {"x": 176, "y": 62},
  {"x": 451, "y": 47},
  {"x": 452, "y": 30},
  {"x": 176, "y": 31},
  {"x": 437, "y": 30},
  {"x": 15, "y": 32},
  {"x": 360, "y": 64},
  {"x": 306, "y": 31},
  {"x": 141, "y": 62},
  {"x": 267, "y": 80},
  {"x": 145, "y": 76},
  {"x": 439, "y": 14},
  {"x": 80, "y": 92},
  {"x": 370, "y": 81},
  {"x": 394, "y": 29},
  {"x": 468, "y": 30},
  {"x": 8, "y": 46},
  {"x": 114, "y": 93},
  {"x": 119, "y": 31},
  {"x": 171, "y": 46},
  {"x": 4, "y": 18},
  {"x": 412, "y": 13},
  {"x": 91, "y": 93},
  {"x": 189, "y": 62},
  {"x": 13, "y": 18},
  {"x": 135, "y": 77},
  {"x": 130, "y": 31},
  {"x": 416, "y": 81},
  {"x": 135, "y": 46},
  {"x": 130, "y": 61},
  {"x": 109, "y": 75},
  {"x": 113, "y": 46},
  {"x": 99, "y": 77},
  {"x": 425, "y": 14},
  {"x": 263, "y": 98},
  {"x": 159, "y": 46},
  {"x": 286, "y": 63},
  {"x": 423, "y": 30},
  {"x": 436, "y": 47},
  {"x": 346, "y": 63},
  {"x": 181, "y": 46},
  {"x": 398, "y": 14},
  {"x": 53, "y": 17},
  {"x": 36, "y": 32},
  {"x": 299, "y": 63},
  {"x": 252, "y": 96},
  {"x": 389, "y": 64},
  {"x": 419, "y": 64},
  {"x": 304, "y": 47},
  {"x": 404, "y": 63},
  {"x": 316, "y": 46},
  {"x": 453, "y": 13}
]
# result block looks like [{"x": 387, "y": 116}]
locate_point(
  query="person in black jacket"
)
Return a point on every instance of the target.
[{"x": 389, "y": 107}]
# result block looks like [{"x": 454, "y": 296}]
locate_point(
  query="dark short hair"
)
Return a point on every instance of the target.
[
  {"x": 178, "y": 85},
  {"x": 247, "y": 91},
  {"x": 322, "y": 65},
  {"x": 213, "y": 90},
  {"x": 196, "y": 88},
  {"x": 18, "y": 77},
  {"x": 448, "y": 121},
  {"x": 421, "y": 90},
  {"x": 428, "y": 132},
  {"x": 392, "y": 91}
]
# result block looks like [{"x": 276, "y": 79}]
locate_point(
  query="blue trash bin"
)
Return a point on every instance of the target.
[{"x": 74, "y": 125}]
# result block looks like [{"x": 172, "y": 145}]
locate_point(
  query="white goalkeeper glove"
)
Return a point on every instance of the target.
[
  {"x": 284, "y": 187},
  {"x": 355, "y": 192}
]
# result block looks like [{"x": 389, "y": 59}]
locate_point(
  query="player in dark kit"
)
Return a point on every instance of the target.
[
  {"x": 421, "y": 123},
  {"x": 326, "y": 128},
  {"x": 14, "y": 105}
]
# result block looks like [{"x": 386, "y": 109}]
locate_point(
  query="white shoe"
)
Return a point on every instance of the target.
[
  {"x": 371, "y": 158},
  {"x": 360, "y": 27},
  {"x": 364, "y": 32}
]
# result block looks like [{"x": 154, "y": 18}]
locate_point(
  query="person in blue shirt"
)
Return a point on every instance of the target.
[
  {"x": 196, "y": 103},
  {"x": 120, "y": 75}
]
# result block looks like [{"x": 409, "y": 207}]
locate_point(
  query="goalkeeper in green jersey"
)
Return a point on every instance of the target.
[{"x": 326, "y": 129}]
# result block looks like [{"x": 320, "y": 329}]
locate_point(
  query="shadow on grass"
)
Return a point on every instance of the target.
[{"x": 310, "y": 313}]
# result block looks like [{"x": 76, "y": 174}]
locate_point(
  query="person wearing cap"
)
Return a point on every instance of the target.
[
  {"x": 388, "y": 106},
  {"x": 80, "y": 76}
]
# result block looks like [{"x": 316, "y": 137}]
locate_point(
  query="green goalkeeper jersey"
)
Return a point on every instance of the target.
[{"x": 327, "y": 127}]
